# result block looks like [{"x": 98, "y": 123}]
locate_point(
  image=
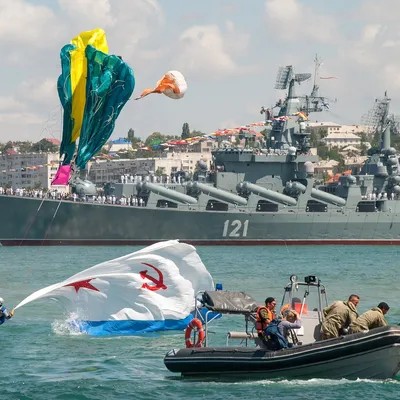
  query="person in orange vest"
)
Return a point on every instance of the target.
[{"x": 264, "y": 315}]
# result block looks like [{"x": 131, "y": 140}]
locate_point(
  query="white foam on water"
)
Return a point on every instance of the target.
[
  {"x": 68, "y": 326},
  {"x": 319, "y": 382}
]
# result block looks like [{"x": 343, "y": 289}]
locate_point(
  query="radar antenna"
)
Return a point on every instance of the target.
[
  {"x": 287, "y": 78},
  {"x": 284, "y": 77},
  {"x": 377, "y": 118}
]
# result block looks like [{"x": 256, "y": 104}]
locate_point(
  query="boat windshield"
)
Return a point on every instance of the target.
[{"x": 304, "y": 297}]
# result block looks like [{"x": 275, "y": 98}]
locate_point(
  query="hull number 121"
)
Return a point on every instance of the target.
[{"x": 235, "y": 228}]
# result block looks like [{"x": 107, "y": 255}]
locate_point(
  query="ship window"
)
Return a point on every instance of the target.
[
  {"x": 266, "y": 206},
  {"x": 166, "y": 204},
  {"x": 316, "y": 206},
  {"x": 215, "y": 205},
  {"x": 366, "y": 206}
]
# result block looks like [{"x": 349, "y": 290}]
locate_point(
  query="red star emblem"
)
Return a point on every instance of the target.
[{"x": 83, "y": 284}]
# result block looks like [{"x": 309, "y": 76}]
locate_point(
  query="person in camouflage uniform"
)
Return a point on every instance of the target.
[
  {"x": 338, "y": 316},
  {"x": 373, "y": 318}
]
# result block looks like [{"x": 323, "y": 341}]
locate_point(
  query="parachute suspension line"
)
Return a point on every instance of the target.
[
  {"x": 51, "y": 222},
  {"x": 111, "y": 117},
  {"x": 33, "y": 220}
]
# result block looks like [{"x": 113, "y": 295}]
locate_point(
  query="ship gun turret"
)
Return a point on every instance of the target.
[
  {"x": 266, "y": 193},
  {"x": 168, "y": 193},
  {"x": 217, "y": 193},
  {"x": 393, "y": 184},
  {"x": 83, "y": 187}
]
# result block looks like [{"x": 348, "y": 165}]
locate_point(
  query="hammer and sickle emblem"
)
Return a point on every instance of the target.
[{"x": 158, "y": 283}]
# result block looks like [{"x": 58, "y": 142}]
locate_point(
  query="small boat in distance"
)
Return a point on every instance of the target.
[{"x": 367, "y": 355}]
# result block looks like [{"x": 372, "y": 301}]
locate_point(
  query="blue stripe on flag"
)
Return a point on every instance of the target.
[{"x": 129, "y": 327}]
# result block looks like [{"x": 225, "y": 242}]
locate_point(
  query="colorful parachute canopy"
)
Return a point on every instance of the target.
[
  {"x": 150, "y": 290},
  {"x": 72, "y": 86},
  {"x": 93, "y": 88},
  {"x": 172, "y": 84},
  {"x": 110, "y": 83}
]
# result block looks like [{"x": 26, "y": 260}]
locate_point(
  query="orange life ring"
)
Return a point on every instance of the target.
[{"x": 194, "y": 323}]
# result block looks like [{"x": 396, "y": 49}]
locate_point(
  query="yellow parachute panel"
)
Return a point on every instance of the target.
[{"x": 96, "y": 38}]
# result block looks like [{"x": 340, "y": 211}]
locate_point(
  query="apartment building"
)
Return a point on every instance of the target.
[
  {"x": 102, "y": 171},
  {"x": 28, "y": 170}
]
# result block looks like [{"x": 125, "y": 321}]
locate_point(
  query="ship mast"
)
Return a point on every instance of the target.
[
  {"x": 314, "y": 102},
  {"x": 317, "y": 64}
]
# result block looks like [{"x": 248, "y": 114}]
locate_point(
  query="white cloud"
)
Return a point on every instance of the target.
[
  {"x": 25, "y": 23},
  {"x": 371, "y": 32},
  {"x": 390, "y": 76},
  {"x": 127, "y": 23},
  {"x": 22, "y": 118},
  {"x": 391, "y": 43},
  {"x": 95, "y": 13},
  {"x": 204, "y": 49},
  {"x": 372, "y": 10},
  {"x": 40, "y": 92},
  {"x": 9, "y": 103},
  {"x": 293, "y": 20}
]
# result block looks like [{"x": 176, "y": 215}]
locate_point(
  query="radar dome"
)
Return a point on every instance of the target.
[
  {"x": 309, "y": 167},
  {"x": 84, "y": 187},
  {"x": 351, "y": 179},
  {"x": 202, "y": 164},
  {"x": 292, "y": 151}
]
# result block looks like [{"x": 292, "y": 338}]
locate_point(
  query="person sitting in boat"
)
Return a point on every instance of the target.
[
  {"x": 264, "y": 315},
  {"x": 4, "y": 314},
  {"x": 279, "y": 333},
  {"x": 338, "y": 317},
  {"x": 373, "y": 318}
]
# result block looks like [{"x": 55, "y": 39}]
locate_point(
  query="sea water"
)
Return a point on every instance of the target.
[{"x": 42, "y": 358}]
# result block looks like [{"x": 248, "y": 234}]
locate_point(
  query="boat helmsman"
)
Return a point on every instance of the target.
[
  {"x": 264, "y": 315},
  {"x": 338, "y": 317}
]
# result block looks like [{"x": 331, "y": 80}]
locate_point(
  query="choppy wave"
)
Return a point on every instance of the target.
[
  {"x": 68, "y": 326},
  {"x": 319, "y": 382}
]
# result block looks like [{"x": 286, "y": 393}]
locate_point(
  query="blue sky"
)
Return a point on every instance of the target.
[{"x": 229, "y": 52}]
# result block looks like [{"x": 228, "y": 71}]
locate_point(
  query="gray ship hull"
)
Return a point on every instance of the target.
[{"x": 31, "y": 221}]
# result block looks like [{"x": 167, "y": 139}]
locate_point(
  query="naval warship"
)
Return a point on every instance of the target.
[{"x": 250, "y": 196}]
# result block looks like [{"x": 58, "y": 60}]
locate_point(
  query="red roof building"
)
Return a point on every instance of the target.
[{"x": 54, "y": 141}]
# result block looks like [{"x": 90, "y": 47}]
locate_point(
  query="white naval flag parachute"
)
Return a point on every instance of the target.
[{"x": 149, "y": 290}]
